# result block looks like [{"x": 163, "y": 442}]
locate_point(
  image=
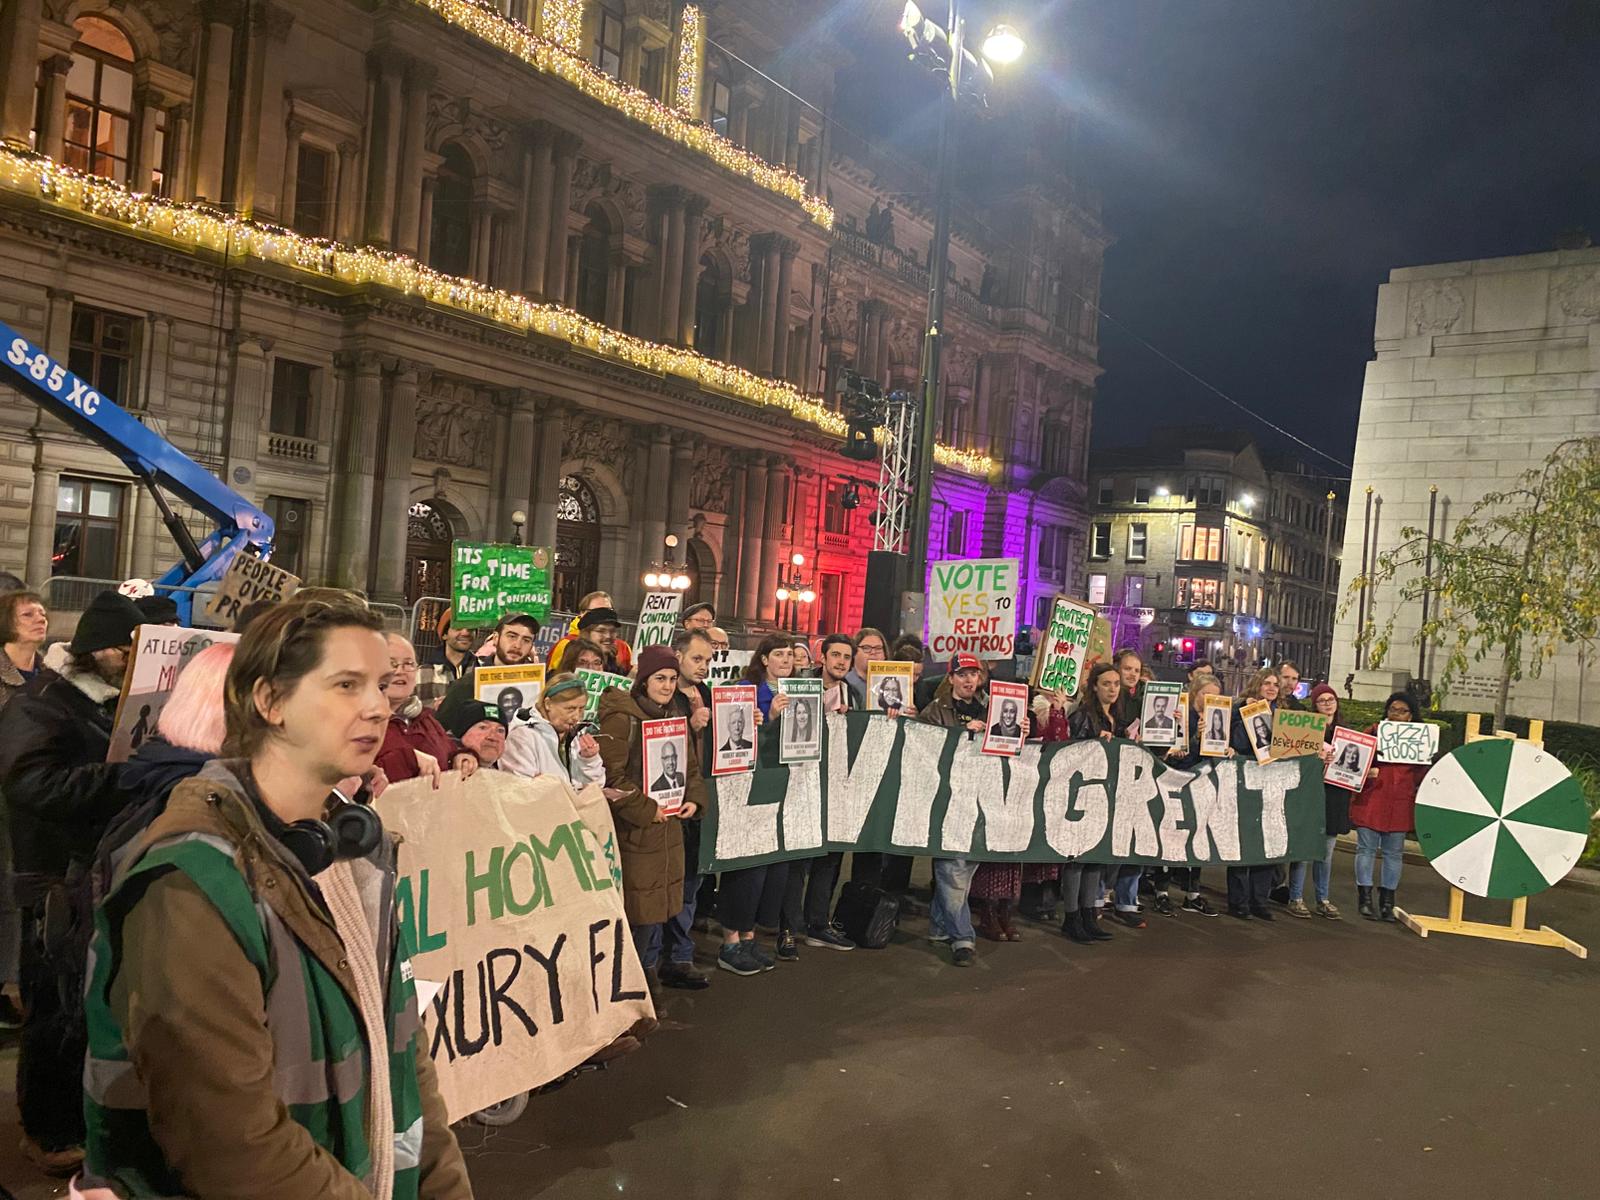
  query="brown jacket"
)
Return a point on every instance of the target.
[
  {"x": 191, "y": 1008},
  {"x": 652, "y": 850}
]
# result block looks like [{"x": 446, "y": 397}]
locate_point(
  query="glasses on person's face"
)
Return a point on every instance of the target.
[{"x": 402, "y": 664}]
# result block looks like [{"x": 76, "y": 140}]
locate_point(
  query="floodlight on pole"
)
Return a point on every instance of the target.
[{"x": 1003, "y": 45}]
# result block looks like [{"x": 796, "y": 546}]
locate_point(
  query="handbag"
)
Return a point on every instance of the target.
[{"x": 867, "y": 914}]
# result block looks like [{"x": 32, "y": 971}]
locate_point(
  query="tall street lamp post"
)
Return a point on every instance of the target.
[{"x": 943, "y": 49}]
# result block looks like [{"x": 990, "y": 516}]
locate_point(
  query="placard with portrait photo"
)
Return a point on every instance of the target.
[
  {"x": 1215, "y": 718},
  {"x": 1257, "y": 718},
  {"x": 733, "y": 729},
  {"x": 666, "y": 762},
  {"x": 1008, "y": 711},
  {"x": 889, "y": 685},
  {"x": 800, "y": 723},
  {"x": 1158, "y": 714},
  {"x": 1353, "y": 752}
]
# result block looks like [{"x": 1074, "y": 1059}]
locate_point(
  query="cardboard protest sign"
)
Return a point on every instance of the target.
[
  {"x": 1414, "y": 742},
  {"x": 665, "y": 757},
  {"x": 733, "y": 729},
  {"x": 1296, "y": 732},
  {"x": 248, "y": 580},
  {"x": 1353, "y": 752},
  {"x": 1257, "y": 718},
  {"x": 489, "y": 580},
  {"x": 727, "y": 666},
  {"x": 1215, "y": 725},
  {"x": 657, "y": 619},
  {"x": 904, "y": 787},
  {"x": 972, "y": 607},
  {"x": 512, "y": 688},
  {"x": 160, "y": 653},
  {"x": 1058, "y": 665},
  {"x": 889, "y": 685},
  {"x": 1158, "y": 715},
  {"x": 801, "y": 721},
  {"x": 510, "y": 895},
  {"x": 1008, "y": 706},
  {"x": 595, "y": 682},
  {"x": 1099, "y": 641}
]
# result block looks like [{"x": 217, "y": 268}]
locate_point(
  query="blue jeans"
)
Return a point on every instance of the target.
[
  {"x": 647, "y": 941},
  {"x": 950, "y": 917},
  {"x": 678, "y": 932},
  {"x": 1126, "y": 887},
  {"x": 1369, "y": 843},
  {"x": 1321, "y": 875}
]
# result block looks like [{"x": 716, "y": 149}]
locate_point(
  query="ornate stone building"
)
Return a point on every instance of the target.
[{"x": 565, "y": 258}]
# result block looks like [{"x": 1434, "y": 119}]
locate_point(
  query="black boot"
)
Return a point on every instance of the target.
[
  {"x": 1092, "y": 923},
  {"x": 1385, "y": 904},
  {"x": 1364, "y": 903},
  {"x": 1077, "y": 928}
]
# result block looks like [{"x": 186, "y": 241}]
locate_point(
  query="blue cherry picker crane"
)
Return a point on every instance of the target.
[{"x": 241, "y": 527}]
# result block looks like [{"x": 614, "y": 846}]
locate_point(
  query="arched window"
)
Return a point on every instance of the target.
[
  {"x": 712, "y": 301},
  {"x": 100, "y": 100},
  {"x": 594, "y": 264},
  {"x": 577, "y": 542},
  {"x": 450, "y": 240},
  {"x": 430, "y": 528}
]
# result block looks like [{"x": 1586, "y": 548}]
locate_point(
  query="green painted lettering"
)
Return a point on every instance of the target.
[{"x": 489, "y": 881}]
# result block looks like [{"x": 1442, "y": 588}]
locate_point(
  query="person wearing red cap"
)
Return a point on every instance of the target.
[{"x": 965, "y": 706}]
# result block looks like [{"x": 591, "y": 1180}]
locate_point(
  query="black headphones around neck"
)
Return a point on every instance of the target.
[{"x": 351, "y": 829}]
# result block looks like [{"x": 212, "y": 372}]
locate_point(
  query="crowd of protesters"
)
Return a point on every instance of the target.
[{"x": 253, "y": 777}]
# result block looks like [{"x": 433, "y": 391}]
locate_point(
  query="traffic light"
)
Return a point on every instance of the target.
[{"x": 1188, "y": 648}]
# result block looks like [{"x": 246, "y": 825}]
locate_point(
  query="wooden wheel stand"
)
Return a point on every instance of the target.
[{"x": 1517, "y": 930}]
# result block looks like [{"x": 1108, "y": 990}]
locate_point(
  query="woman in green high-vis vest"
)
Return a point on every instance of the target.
[{"x": 253, "y": 1028}]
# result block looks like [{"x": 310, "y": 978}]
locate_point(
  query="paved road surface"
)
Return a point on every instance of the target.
[{"x": 1200, "y": 1058}]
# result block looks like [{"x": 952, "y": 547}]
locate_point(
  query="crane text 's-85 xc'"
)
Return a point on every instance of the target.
[{"x": 154, "y": 461}]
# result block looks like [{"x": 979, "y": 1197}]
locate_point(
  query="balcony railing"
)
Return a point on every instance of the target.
[
  {"x": 910, "y": 268},
  {"x": 286, "y": 445}
]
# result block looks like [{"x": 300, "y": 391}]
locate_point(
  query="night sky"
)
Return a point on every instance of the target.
[{"x": 1264, "y": 163}]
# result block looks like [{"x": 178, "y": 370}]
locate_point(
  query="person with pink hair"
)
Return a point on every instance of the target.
[{"x": 189, "y": 728}]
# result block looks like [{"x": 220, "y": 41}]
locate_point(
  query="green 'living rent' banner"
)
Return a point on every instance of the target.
[{"x": 896, "y": 785}]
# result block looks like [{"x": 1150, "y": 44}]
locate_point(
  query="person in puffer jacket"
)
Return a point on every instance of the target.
[{"x": 544, "y": 739}]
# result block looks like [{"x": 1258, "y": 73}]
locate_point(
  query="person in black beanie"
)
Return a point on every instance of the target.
[
  {"x": 157, "y": 609},
  {"x": 61, "y": 794}
]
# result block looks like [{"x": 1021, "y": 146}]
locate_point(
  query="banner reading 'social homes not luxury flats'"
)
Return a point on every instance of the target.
[
  {"x": 511, "y": 892},
  {"x": 899, "y": 786}
]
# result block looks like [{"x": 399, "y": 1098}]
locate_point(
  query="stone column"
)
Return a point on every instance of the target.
[
  {"x": 521, "y": 440},
  {"x": 616, "y": 290},
  {"x": 564, "y": 153},
  {"x": 419, "y": 79},
  {"x": 654, "y": 525},
  {"x": 425, "y": 221},
  {"x": 259, "y": 153},
  {"x": 53, "y": 117},
  {"x": 179, "y": 122},
  {"x": 58, "y": 323},
  {"x": 788, "y": 248},
  {"x": 42, "y": 519},
  {"x": 884, "y": 360},
  {"x": 19, "y": 56},
  {"x": 772, "y": 539},
  {"x": 347, "y": 204},
  {"x": 769, "y": 247},
  {"x": 385, "y": 162},
  {"x": 867, "y": 352},
  {"x": 694, "y": 220},
  {"x": 750, "y": 581},
  {"x": 482, "y": 235},
  {"x": 536, "y": 207},
  {"x": 293, "y": 132},
  {"x": 142, "y": 162},
  {"x": 357, "y": 459},
  {"x": 672, "y": 266},
  {"x": 727, "y": 599},
  {"x": 211, "y": 98},
  {"x": 394, "y": 512},
  {"x": 547, "y": 472},
  {"x": 684, "y": 448},
  {"x": 247, "y": 412}
]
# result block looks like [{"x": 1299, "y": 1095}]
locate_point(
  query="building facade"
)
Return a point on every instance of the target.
[
  {"x": 1480, "y": 370},
  {"x": 563, "y": 260},
  {"x": 1204, "y": 549}
]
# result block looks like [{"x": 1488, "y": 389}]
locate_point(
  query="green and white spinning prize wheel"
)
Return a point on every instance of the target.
[{"x": 1501, "y": 818}]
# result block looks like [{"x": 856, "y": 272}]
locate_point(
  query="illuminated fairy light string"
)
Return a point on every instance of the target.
[
  {"x": 691, "y": 58},
  {"x": 197, "y": 228},
  {"x": 561, "y": 60},
  {"x": 562, "y": 22}
]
